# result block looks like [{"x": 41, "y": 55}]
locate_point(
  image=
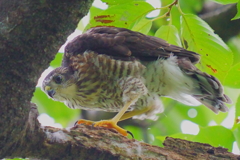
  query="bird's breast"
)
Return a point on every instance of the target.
[{"x": 98, "y": 79}]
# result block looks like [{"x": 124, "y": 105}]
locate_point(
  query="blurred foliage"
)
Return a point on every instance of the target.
[
  {"x": 225, "y": 1},
  {"x": 179, "y": 25},
  {"x": 237, "y": 16}
]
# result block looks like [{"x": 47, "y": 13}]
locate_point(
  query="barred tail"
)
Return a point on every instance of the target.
[
  {"x": 213, "y": 96},
  {"x": 208, "y": 90}
]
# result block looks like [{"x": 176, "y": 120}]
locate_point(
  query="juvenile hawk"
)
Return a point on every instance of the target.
[{"x": 117, "y": 70}]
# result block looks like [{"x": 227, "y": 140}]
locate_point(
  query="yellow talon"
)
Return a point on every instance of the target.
[
  {"x": 47, "y": 88},
  {"x": 111, "y": 124},
  {"x": 105, "y": 124},
  {"x": 83, "y": 121}
]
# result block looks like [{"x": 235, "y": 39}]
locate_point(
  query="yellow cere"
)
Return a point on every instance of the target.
[{"x": 47, "y": 88}]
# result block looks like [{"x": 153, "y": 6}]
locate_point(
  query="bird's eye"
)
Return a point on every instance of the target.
[{"x": 58, "y": 79}]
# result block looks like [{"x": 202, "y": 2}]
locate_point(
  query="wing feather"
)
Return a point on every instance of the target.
[{"x": 124, "y": 44}]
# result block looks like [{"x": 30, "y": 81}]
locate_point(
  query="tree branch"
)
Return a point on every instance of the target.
[{"x": 87, "y": 142}]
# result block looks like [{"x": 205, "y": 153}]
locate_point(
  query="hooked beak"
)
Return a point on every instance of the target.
[{"x": 50, "y": 91}]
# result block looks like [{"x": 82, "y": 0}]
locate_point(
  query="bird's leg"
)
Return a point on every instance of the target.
[
  {"x": 132, "y": 89},
  {"x": 112, "y": 123},
  {"x": 120, "y": 117},
  {"x": 134, "y": 113},
  {"x": 153, "y": 106}
]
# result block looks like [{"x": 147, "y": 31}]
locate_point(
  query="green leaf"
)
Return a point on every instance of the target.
[
  {"x": 57, "y": 110},
  {"x": 142, "y": 25},
  {"x": 94, "y": 11},
  {"x": 170, "y": 34},
  {"x": 123, "y": 15},
  {"x": 216, "y": 136},
  {"x": 190, "y": 6},
  {"x": 80, "y": 26},
  {"x": 233, "y": 44},
  {"x": 57, "y": 60},
  {"x": 159, "y": 141},
  {"x": 220, "y": 117},
  {"x": 216, "y": 57},
  {"x": 233, "y": 77},
  {"x": 237, "y": 109},
  {"x": 237, "y": 16},
  {"x": 236, "y": 133},
  {"x": 175, "y": 17},
  {"x": 225, "y": 1}
]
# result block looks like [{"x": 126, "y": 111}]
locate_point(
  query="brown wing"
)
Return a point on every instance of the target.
[{"x": 121, "y": 43}]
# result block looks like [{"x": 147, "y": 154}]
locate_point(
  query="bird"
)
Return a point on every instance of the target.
[{"x": 118, "y": 70}]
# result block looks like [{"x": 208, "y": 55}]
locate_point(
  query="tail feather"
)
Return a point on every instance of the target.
[
  {"x": 214, "y": 104},
  {"x": 208, "y": 89}
]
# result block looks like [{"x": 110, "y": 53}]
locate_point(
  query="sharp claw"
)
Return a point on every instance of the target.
[
  {"x": 82, "y": 121},
  {"x": 76, "y": 123},
  {"x": 104, "y": 124},
  {"x": 130, "y": 133}
]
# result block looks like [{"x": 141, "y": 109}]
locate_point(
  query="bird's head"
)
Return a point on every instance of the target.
[{"x": 59, "y": 84}]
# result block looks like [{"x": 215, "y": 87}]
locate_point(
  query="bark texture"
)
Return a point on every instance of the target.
[{"x": 31, "y": 33}]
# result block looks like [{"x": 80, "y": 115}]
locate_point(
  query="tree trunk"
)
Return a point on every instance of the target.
[{"x": 31, "y": 33}]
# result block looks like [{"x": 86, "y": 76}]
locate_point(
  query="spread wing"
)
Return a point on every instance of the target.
[{"x": 124, "y": 44}]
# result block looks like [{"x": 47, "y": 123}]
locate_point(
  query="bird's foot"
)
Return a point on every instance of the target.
[
  {"x": 111, "y": 124},
  {"x": 84, "y": 121},
  {"x": 106, "y": 124}
]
